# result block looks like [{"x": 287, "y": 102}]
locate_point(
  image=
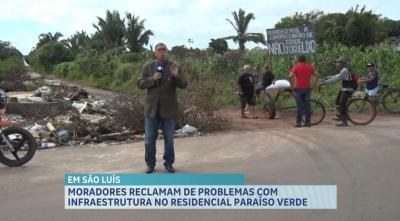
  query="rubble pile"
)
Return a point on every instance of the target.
[{"x": 86, "y": 119}]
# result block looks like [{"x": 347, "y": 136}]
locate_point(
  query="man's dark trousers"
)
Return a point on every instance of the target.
[
  {"x": 345, "y": 95},
  {"x": 151, "y": 126},
  {"x": 303, "y": 102}
]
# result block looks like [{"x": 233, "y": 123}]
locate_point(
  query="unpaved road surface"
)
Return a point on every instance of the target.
[{"x": 364, "y": 162}]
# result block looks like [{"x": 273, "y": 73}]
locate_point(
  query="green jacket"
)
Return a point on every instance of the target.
[{"x": 161, "y": 98}]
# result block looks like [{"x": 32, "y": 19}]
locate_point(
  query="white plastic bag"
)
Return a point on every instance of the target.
[
  {"x": 187, "y": 129},
  {"x": 278, "y": 85}
]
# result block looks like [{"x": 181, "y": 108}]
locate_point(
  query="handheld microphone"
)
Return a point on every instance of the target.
[{"x": 160, "y": 69}]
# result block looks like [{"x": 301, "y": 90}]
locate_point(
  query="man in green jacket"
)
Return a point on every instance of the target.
[{"x": 160, "y": 78}]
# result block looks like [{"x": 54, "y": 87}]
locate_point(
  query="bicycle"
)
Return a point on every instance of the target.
[
  {"x": 318, "y": 111},
  {"x": 360, "y": 109},
  {"x": 389, "y": 98}
]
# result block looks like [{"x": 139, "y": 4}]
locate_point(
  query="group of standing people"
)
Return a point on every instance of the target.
[
  {"x": 248, "y": 90},
  {"x": 302, "y": 73}
]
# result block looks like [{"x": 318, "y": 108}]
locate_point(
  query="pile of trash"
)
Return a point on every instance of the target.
[{"x": 82, "y": 119}]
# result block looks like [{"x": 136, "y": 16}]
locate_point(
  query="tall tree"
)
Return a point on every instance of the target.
[
  {"x": 240, "y": 23},
  {"x": 110, "y": 30},
  {"x": 78, "y": 42},
  {"x": 136, "y": 34},
  {"x": 357, "y": 27},
  {"x": 300, "y": 19},
  {"x": 48, "y": 37},
  {"x": 362, "y": 27},
  {"x": 391, "y": 27},
  {"x": 7, "y": 50}
]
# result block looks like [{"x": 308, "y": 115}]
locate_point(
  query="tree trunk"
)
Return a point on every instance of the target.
[{"x": 241, "y": 46}]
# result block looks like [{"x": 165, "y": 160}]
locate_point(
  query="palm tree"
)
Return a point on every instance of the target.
[
  {"x": 111, "y": 30},
  {"x": 240, "y": 24},
  {"x": 136, "y": 33},
  {"x": 78, "y": 42},
  {"x": 48, "y": 37}
]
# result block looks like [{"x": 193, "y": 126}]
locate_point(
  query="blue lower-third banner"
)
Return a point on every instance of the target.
[{"x": 190, "y": 191}]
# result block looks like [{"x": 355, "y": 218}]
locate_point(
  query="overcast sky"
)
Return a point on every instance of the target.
[{"x": 173, "y": 22}]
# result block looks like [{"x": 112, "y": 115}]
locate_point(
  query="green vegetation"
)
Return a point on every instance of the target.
[
  {"x": 219, "y": 46},
  {"x": 11, "y": 62},
  {"x": 112, "y": 57},
  {"x": 357, "y": 27},
  {"x": 240, "y": 24}
]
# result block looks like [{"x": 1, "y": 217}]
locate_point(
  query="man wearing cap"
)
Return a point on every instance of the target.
[
  {"x": 302, "y": 73},
  {"x": 245, "y": 84},
  {"x": 372, "y": 80},
  {"x": 347, "y": 89},
  {"x": 267, "y": 80},
  {"x": 160, "y": 78}
]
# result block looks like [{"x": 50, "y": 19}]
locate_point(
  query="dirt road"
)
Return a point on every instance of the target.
[{"x": 363, "y": 161}]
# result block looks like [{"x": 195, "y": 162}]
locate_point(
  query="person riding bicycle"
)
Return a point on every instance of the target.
[
  {"x": 372, "y": 80},
  {"x": 347, "y": 89}
]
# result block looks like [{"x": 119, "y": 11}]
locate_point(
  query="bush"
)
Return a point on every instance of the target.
[
  {"x": 131, "y": 57},
  {"x": 219, "y": 46},
  {"x": 11, "y": 63},
  {"x": 68, "y": 70},
  {"x": 50, "y": 54},
  {"x": 198, "y": 106},
  {"x": 10, "y": 67},
  {"x": 7, "y": 50}
]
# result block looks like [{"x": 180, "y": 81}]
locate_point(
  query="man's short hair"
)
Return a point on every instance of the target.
[
  {"x": 247, "y": 67},
  {"x": 302, "y": 58},
  {"x": 160, "y": 44}
]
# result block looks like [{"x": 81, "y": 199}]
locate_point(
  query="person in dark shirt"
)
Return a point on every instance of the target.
[
  {"x": 372, "y": 82},
  {"x": 246, "y": 91},
  {"x": 160, "y": 78},
  {"x": 267, "y": 80}
]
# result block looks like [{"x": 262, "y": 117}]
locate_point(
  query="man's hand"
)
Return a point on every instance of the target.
[
  {"x": 157, "y": 76},
  {"x": 174, "y": 70}
]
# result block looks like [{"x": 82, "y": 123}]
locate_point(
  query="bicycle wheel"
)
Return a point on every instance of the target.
[
  {"x": 391, "y": 101},
  {"x": 317, "y": 112},
  {"x": 361, "y": 111},
  {"x": 270, "y": 110}
]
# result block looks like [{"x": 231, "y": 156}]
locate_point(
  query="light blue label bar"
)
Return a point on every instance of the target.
[
  {"x": 153, "y": 179},
  {"x": 201, "y": 197}
]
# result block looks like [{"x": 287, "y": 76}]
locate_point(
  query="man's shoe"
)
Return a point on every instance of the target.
[
  {"x": 342, "y": 124},
  {"x": 308, "y": 124},
  {"x": 337, "y": 118},
  {"x": 169, "y": 169},
  {"x": 149, "y": 169},
  {"x": 298, "y": 125}
]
